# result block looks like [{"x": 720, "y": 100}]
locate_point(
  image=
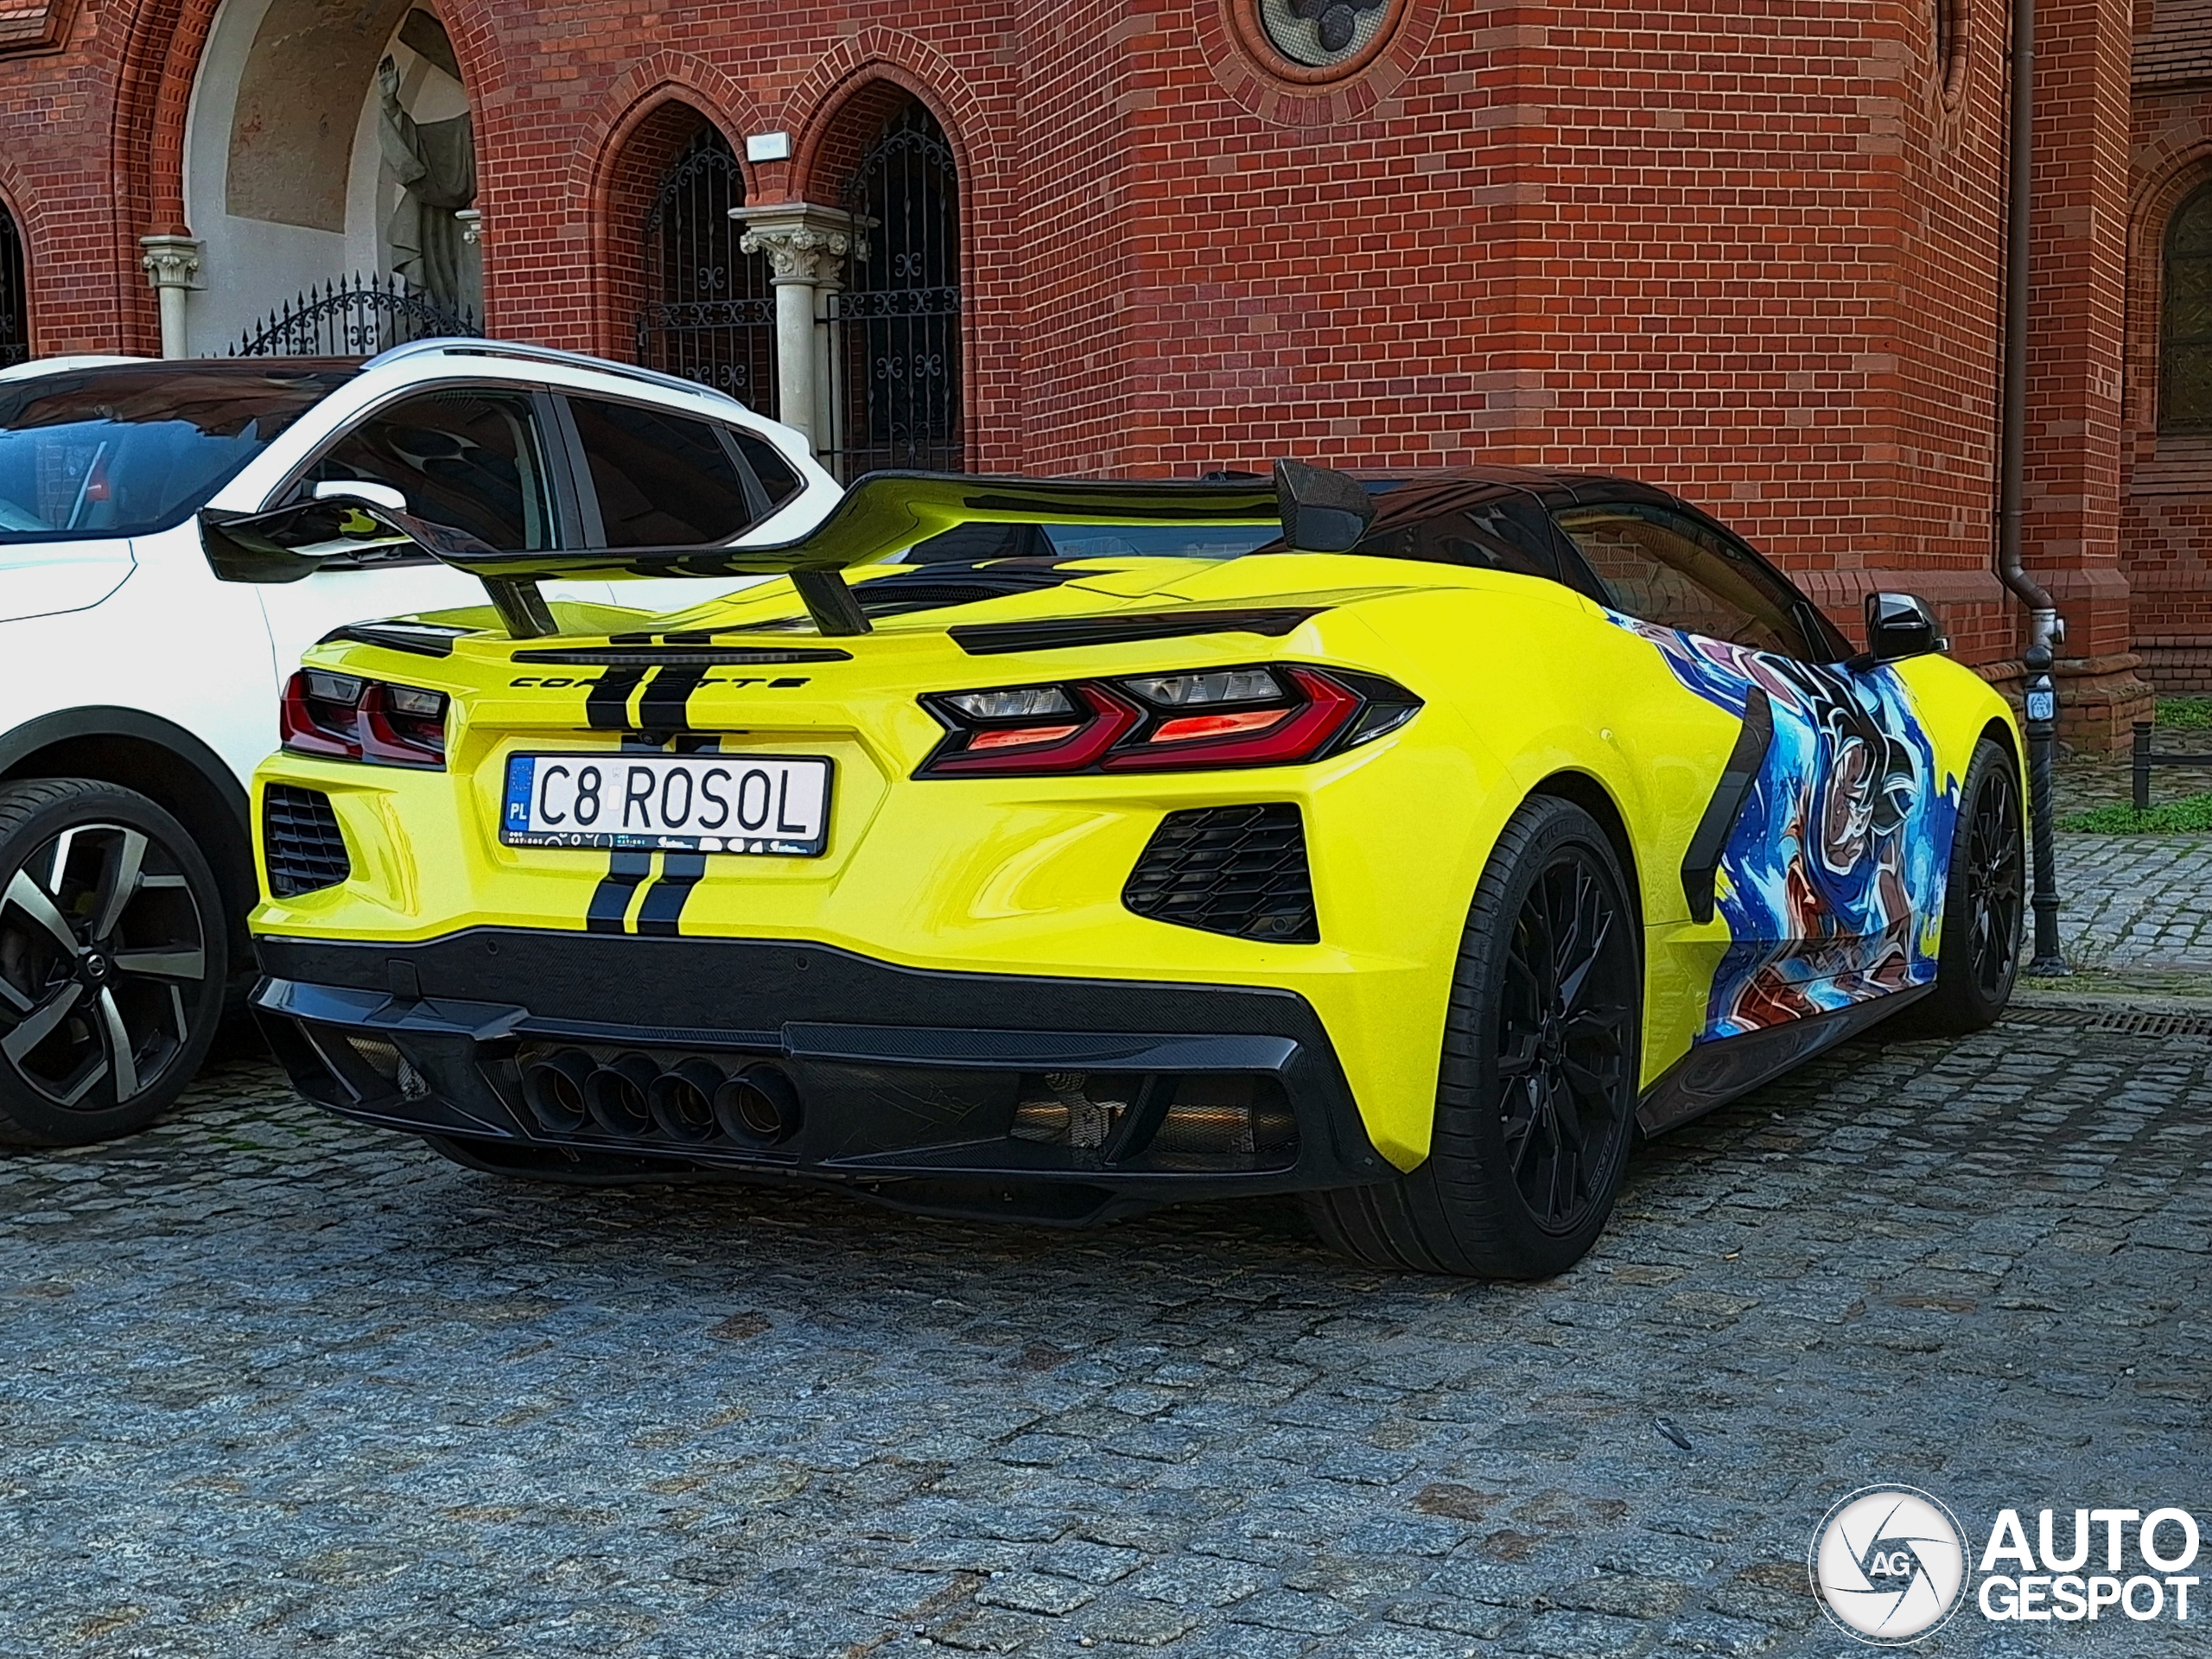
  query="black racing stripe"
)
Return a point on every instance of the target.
[
  {"x": 664, "y": 905},
  {"x": 610, "y": 900},
  {"x": 662, "y": 707},
  {"x": 607, "y": 708}
]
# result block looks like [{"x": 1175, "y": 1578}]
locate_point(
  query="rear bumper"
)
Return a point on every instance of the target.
[{"x": 1044, "y": 1098}]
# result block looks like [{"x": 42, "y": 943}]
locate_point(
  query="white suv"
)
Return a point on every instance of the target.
[{"x": 137, "y": 691}]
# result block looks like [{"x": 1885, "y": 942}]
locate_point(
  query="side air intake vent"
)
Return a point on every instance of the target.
[
  {"x": 1229, "y": 869},
  {"x": 300, "y": 842}
]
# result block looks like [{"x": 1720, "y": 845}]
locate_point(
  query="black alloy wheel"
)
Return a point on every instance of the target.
[
  {"x": 1985, "y": 901},
  {"x": 1536, "y": 1090},
  {"x": 111, "y": 961},
  {"x": 1563, "y": 1043}
]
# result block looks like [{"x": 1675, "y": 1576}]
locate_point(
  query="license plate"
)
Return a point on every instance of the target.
[{"x": 675, "y": 803}]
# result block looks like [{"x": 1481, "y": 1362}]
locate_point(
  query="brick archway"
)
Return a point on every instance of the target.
[
  {"x": 638, "y": 127},
  {"x": 836, "y": 109}
]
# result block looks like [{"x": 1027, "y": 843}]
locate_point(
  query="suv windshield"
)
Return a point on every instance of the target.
[{"x": 124, "y": 450}]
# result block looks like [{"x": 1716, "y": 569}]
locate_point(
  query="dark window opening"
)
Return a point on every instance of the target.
[
  {"x": 2185, "y": 355},
  {"x": 898, "y": 320},
  {"x": 15, "y": 295},
  {"x": 662, "y": 480},
  {"x": 471, "y": 460},
  {"x": 709, "y": 309},
  {"x": 1666, "y": 568}
]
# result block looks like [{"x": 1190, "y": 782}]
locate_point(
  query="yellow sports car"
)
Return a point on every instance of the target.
[{"x": 1052, "y": 849}]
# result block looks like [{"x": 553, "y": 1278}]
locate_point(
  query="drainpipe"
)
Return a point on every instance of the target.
[{"x": 2045, "y": 628}]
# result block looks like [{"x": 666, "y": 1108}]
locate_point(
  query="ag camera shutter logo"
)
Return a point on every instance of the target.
[{"x": 1888, "y": 1564}]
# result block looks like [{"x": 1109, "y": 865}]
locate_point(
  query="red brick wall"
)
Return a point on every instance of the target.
[
  {"x": 2166, "y": 503},
  {"x": 1748, "y": 251}
]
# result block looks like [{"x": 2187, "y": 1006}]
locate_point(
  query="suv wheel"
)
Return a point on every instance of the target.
[{"x": 112, "y": 961}]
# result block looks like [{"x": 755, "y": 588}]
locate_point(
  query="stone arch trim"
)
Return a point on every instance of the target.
[
  {"x": 2177, "y": 174},
  {"x": 646, "y": 90},
  {"x": 162, "y": 47}
]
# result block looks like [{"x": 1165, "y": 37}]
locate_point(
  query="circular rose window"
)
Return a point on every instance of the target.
[{"x": 1324, "y": 35}]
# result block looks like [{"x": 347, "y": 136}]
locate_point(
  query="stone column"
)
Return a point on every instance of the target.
[
  {"x": 172, "y": 265},
  {"x": 806, "y": 247}
]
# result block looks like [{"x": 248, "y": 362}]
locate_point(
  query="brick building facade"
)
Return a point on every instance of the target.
[{"x": 1752, "y": 252}]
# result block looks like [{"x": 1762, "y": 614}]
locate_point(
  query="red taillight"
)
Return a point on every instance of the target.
[
  {"x": 1238, "y": 717},
  {"x": 1052, "y": 748},
  {"x": 341, "y": 718},
  {"x": 1298, "y": 733}
]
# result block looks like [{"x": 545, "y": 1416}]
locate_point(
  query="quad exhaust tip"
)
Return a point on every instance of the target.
[{"x": 632, "y": 1097}]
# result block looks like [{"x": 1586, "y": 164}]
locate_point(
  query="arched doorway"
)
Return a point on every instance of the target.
[
  {"x": 898, "y": 320},
  {"x": 330, "y": 179},
  {"x": 709, "y": 310},
  {"x": 14, "y": 295}
]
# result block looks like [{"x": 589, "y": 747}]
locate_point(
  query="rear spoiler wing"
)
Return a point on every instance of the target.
[{"x": 881, "y": 516}]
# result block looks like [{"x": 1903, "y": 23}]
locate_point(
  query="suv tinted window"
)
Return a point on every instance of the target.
[
  {"x": 469, "y": 459},
  {"x": 118, "y": 452},
  {"x": 779, "y": 477},
  {"x": 1666, "y": 568},
  {"x": 663, "y": 480}
]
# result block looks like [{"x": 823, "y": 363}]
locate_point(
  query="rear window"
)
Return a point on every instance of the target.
[{"x": 124, "y": 451}]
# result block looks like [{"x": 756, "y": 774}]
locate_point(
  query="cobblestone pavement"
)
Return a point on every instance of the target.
[
  {"x": 279, "y": 1385},
  {"x": 2137, "y": 907},
  {"x": 2137, "y": 904}
]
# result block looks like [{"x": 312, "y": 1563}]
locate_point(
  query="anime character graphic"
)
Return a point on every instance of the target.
[{"x": 1832, "y": 880}]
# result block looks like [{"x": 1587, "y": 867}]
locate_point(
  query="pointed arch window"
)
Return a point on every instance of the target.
[
  {"x": 709, "y": 310},
  {"x": 899, "y": 317},
  {"x": 15, "y": 299},
  {"x": 2185, "y": 344}
]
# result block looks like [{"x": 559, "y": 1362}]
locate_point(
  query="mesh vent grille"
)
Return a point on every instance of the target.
[
  {"x": 300, "y": 842},
  {"x": 1229, "y": 869}
]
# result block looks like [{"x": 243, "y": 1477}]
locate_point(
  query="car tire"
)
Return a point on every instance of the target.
[
  {"x": 1507, "y": 1191},
  {"x": 1984, "y": 907},
  {"x": 113, "y": 961}
]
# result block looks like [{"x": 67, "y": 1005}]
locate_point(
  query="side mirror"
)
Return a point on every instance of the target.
[
  {"x": 1900, "y": 626},
  {"x": 1322, "y": 511},
  {"x": 360, "y": 489}
]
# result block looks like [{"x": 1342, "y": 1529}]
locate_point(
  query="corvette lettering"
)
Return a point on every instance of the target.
[{"x": 558, "y": 683}]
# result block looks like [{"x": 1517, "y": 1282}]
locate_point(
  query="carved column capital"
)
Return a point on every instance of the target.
[
  {"x": 170, "y": 261},
  {"x": 804, "y": 243}
]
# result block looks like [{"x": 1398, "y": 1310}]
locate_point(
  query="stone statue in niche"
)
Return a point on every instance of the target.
[{"x": 435, "y": 163}]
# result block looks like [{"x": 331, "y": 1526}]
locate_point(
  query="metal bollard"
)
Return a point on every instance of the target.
[
  {"x": 2142, "y": 762},
  {"x": 2041, "y": 703}
]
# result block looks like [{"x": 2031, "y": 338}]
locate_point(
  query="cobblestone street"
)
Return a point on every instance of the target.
[{"x": 278, "y": 1384}]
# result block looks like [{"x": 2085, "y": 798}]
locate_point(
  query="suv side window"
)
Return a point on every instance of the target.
[
  {"x": 1662, "y": 566},
  {"x": 663, "y": 479},
  {"x": 467, "y": 458},
  {"x": 780, "y": 479}
]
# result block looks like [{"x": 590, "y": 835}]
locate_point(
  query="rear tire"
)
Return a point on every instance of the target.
[
  {"x": 1537, "y": 1092},
  {"x": 113, "y": 961},
  {"x": 1978, "y": 957}
]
